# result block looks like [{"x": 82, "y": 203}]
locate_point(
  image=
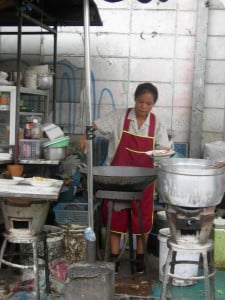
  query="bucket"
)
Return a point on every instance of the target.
[
  {"x": 30, "y": 80},
  {"x": 183, "y": 270},
  {"x": 161, "y": 220},
  {"x": 153, "y": 242},
  {"x": 55, "y": 251},
  {"x": 90, "y": 281},
  {"x": 75, "y": 244},
  {"x": 54, "y": 244},
  {"x": 219, "y": 242}
]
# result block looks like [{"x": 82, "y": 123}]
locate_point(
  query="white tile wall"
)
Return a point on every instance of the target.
[
  {"x": 160, "y": 70},
  {"x": 148, "y": 21},
  {"x": 213, "y": 120},
  {"x": 137, "y": 42},
  {"x": 146, "y": 45}
]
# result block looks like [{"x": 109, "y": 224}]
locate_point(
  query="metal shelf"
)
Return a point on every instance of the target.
[
  {"x": 28, "y": 113},
  {"x": 28, "y": 91}
]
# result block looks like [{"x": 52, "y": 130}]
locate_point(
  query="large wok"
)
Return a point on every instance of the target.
[
  {"x": 122, "y": 178},
  {"x": 190, "y": 182}
]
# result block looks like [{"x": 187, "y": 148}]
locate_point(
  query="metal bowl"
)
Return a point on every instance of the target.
[
  {"x": 190, "y": 182},
  {"x": 55, "y": 153},
  {"x": 122, "y": 178}
]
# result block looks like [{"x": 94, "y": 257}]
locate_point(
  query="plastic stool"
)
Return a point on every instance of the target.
[
  {"x": 205, "y": 250},
  {"x": 34, "y": 241}
]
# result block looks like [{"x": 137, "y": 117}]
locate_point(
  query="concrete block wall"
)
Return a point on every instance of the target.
[
  {"x": 213, "y": 117},
  {"x": 137, "y": 42}
]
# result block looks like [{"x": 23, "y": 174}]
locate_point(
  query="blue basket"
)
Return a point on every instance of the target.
[{"x": 71, "y": 213}]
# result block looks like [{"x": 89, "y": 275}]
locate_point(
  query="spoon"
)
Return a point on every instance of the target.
[{"x": 219, "y": 165}]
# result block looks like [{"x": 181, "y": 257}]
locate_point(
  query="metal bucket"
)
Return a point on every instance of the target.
[
  {"x": 90, "y": 281},
  {"x": 190, "y": 182}
]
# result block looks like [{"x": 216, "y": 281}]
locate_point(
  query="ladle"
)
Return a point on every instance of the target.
[{"x": 219, "y": 165}]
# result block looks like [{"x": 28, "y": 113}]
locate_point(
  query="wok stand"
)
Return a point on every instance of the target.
[{"x": 122, "y": 200}]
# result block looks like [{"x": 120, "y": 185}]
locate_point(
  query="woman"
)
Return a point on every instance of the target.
[{"x": 130, "y": 132}]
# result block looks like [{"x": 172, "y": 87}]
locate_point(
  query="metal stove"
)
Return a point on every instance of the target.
[
  {"x": 195, "y": 223},
  {"x": 191, "y": 189}
]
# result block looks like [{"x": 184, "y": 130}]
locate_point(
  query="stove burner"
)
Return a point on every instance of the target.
[{"x": 195, "y": 222}]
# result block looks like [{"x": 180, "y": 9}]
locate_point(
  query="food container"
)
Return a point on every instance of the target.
[
  {"x": 52, "y": 131},
  {"x": 55, "y": 153},
  {"x": 45, "y": 81},
  {"x": 30, "y": 79}
]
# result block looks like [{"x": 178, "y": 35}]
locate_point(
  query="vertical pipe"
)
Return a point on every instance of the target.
[
  {"x": 54, "y": 76},
  {"x": 17, "y": 118},
  {"x": 91, "y": 257}
]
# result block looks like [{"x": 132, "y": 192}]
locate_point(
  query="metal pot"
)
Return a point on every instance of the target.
[
  {"x": 122, "y": 178},
  {"x": 52, "y": 153},
  {"x": 190, "y": 182}
]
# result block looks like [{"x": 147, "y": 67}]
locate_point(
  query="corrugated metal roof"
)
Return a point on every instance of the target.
[{"x": 49, "y": 12}]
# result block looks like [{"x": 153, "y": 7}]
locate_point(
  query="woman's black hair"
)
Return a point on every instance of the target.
[{"x": 146, "y": 87}]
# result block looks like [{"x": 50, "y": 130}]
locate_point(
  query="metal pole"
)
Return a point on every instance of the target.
[{"x": 90, "y": 254}]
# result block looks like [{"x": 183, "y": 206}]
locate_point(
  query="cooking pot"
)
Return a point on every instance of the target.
[
  {"x": 190, "y": 182},
  {"x": 122, "y": 178},
  {"x": 55, "y": 153},
  {"x": 45, "y": 81}
]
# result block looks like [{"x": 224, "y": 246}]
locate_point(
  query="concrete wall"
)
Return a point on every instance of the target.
[{"x": 138, "y": 42}]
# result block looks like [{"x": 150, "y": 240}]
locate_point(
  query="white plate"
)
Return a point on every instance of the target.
[
  {"x": 44, "y": 182},
  {"x": 161, "y": 153},
  {"x": 18, "y": 179},
  {"x": 8, "y": 182}
]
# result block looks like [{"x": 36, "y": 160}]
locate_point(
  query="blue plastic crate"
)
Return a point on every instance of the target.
[{"x": 71, "y": 213}]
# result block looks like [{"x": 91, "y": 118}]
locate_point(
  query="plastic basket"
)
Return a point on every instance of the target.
[
  {"x": 71, "y": 213},
  {"x": 29, "y": 149}
]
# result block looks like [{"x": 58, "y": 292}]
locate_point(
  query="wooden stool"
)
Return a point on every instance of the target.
[{"x": 205, "y": 251}]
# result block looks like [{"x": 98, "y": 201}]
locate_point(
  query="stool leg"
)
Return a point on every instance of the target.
[
  {"x": 131, "y": 250},
  {"x": 172, "y": 270},
  {"x": 141, "y": 228},
  {"x": 108, "y": 228},
  {"x": 2, "y": 251},
  {"x": 166, "y": 276},
  {"x": 206, "y": 278},
  {"x": 47, "y": 273},
  {"x": 211, "y": 278},
  {"x": 36, "y": 270}
]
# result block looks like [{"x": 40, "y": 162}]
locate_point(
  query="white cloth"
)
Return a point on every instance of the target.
[{"x": 111, "y": 126}]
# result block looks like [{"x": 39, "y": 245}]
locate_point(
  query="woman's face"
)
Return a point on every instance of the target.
[{"x": 143, "y": 105}]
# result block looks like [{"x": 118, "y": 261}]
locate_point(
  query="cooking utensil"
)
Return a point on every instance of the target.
[
  {"x": 190, "y": 182},
  {"x": 157, "y": 153},
  {"x": 122, "y": 178}
]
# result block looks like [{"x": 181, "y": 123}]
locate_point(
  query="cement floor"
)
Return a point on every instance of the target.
[{"x": 145, "y": 286}]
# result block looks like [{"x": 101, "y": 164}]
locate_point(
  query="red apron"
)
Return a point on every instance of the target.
[{"x": 126, "y": 156}]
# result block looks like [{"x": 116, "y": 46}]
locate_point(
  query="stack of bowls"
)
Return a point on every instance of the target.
[{"x": 56, "y": 149}]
